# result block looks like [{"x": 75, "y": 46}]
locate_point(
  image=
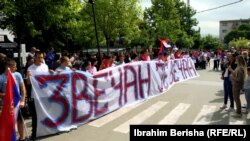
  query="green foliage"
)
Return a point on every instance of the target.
[
  {"x": 171, "y": 19},
  {"x": 239, "y": 43},
  {"x": 243, "y": 31},
  {"x": 197, "y": 40},
  {"x": 186, "y": 13},
  {"x": 40, "y": 23},
  {"x": 166, "y": 19},
  {"x": 117, "y": 21},
  {"x": 68, "y": 24},
  {"x": 210, "y": 42}
]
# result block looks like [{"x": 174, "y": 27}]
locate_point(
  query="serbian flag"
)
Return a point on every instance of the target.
[
  {"x": 7, "y": 116},
  {"x": 164, "y": 44}
]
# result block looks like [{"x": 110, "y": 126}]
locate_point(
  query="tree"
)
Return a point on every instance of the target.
[
  {"x": 187, "y": 38},
  {"x": 243, "y": 31},
  {"x": 239, "y": 43},
  {"x": 184, "y": 40},
  {"x": 186, "y": 14},
  {"x": 210, "y": 42},
  {"x": 197, "y": 40},
  {"x": 172, "y": 19},
  {"x": 40, "y": 23},
  {"x": 116, "y": 20},
  {"x": 163, "y": 19}
]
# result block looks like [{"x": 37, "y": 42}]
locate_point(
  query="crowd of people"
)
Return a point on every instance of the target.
[
  {"x": 233, "y": 64},
  {"x": 53, "y": 62},
  {"x": 235, "y": 67}
]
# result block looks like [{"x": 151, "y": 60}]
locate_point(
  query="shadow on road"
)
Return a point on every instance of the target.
[{"x": 220, "y": 97}]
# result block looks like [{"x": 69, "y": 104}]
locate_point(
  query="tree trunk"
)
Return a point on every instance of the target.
[{"x": 107, "y": 43}]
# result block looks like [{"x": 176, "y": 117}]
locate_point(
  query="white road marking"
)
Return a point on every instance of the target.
[
  {"x": 205, "y": 115},
  {"x": 175, "y": 114},
  {"x": 112, "y": 116},
  {"x": 142, "y": 116}
]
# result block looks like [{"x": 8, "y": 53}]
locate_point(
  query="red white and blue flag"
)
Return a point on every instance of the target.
[
  {"x": 164, "y": 44},
  {"x": 8, "y": 114}
]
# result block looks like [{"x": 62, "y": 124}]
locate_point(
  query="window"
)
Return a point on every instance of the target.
[
  {"x": 224, "y": 23},
  {"x": 224, "y": 31},
  {"x": 235, "y": 25}
]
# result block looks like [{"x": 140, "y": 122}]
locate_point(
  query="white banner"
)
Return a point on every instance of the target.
[{"x": 69, "y": 99}]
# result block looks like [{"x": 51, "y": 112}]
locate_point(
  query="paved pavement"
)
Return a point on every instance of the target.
[{"x": 195, "y": 101}]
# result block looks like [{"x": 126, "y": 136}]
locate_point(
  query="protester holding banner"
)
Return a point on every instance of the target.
[
  {"x": 121, "y": 60},
  {"x": 145, "y": 56},
  {"x": 59, "y": 97},
  {"x": 11, "y": 64},
  {"x": 93, "y": 68},
  {"x": 160, "y": 57},
  {"x": 134, "y": 58},
  {"x": 106, "y": 63},
  {"x": 172, "y": 54},
  {"x": 64, "y": 64},
  {"x": 38, "y": 67},
  {"x": 86, "y": 66}
]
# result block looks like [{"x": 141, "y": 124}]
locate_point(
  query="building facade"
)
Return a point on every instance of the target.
[{"x": 228, "y": 25}]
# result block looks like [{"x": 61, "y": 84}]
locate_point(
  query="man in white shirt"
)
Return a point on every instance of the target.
[{"x": 38, "y": 66}]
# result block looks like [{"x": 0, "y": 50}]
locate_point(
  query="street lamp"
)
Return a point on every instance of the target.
[{"x": 96, "y": 35}]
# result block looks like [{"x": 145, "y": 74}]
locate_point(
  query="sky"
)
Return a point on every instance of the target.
[{"x": 209, "y": 21}]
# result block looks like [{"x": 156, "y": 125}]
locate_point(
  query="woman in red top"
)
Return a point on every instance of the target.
[
  {"x": 177, "y": 55},
  {"x": 106, "y": 63},
  {"x": 144, "y": 55}
]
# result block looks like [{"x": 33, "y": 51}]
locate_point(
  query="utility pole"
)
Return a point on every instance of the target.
[
  {"x": 96, "y": 34},
  {"x": 188, "y": 4}
]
